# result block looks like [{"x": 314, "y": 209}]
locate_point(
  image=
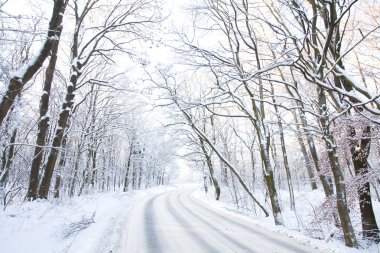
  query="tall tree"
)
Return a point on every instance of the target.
[
  {"x": 43, "y": 124},
  {"x": 122, "y": 17},
  {"x": 21, "y": 77}
]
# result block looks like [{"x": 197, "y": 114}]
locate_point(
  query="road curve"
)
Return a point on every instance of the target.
[{"x": 177, "y": 222}]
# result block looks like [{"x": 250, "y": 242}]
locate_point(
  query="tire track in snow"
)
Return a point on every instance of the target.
[
  {"x": 231, "y": 241},
  {"x": 151, "y": 235},
  {"x": 204, "y": 245},
  {"x": 263, "y": 236}
]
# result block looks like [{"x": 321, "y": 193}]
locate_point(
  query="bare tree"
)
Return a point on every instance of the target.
[
  {"x": 123, "y": 17},
  {"x": 43, "y": 123},
  {"x": 26, "y": 73}
]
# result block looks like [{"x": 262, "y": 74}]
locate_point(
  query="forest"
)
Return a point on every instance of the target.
[{"x": 266, "y": 99}]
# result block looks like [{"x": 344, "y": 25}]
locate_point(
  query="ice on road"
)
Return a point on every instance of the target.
[{"x": 177, "y": 222}]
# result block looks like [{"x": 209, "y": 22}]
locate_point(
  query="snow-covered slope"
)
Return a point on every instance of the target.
[{"x": 48, "y": 226}]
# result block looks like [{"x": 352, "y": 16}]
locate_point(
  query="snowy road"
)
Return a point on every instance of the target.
[{"x": 177, "y": 222}]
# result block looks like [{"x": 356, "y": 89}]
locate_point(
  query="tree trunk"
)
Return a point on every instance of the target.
[
  {"x": 134, "y": 175},
  {"x": 284, "y": 153},
  {"x": 224, "y": 172},
  {"x": 26, "y": 73},
  {"x": 360, "y": 152},
  {"x": 325, "y": 180},
  {"x": 61, "y": 165},
  {"x": 85, "y": 180},
  {"x": 75, "y": 173},
  {"x": 348, "y": 231},
  {"x": 360, "y": 148},
  {"x": 140, "y": 175},
  {"x": 126, "y": 177},
  {"x": 234, "y": 189},
  {"x": 308, "y": 162},
  {"x": 229, "y": 165},
  {"x": 64, "y": 115},
  {"x": 57, "y": 141},
  {"x": 269, "y": 180},
  {"x": 93, "y": 169},
  {"x": 43, "y": 124},
  {"x": 210, "y": 168},
  {"x": 8, "y": 160}
]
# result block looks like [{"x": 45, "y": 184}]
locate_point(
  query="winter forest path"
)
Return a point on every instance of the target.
[{"x": 175, "y": 222}]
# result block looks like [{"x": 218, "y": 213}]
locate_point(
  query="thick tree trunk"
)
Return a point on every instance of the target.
[
  {"x": 360, "y": 148},
  {"x": 61, "y": 165},
  {"x": 57, "y": 141},
  {"x": 269, "y": 180},
  {"x": 7, "y": 165},
  {"x": 43, "y": 124},
  {"x": 4, "y": 173},
  {"x": 64, "y": 115},
  {"x": 7, "y": 155},
  {"x": 360, "y": 152},
  {"x": 331, "y": 147},
  {"x": 26, "y": 73}
]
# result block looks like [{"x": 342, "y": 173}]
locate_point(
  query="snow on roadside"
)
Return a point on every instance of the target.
[
  {"x": 40, "y": 226},
  {"x": 267, "y": 224}
]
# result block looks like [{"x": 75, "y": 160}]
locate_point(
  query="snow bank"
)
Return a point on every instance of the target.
[
  {"x": 304, "y": 208},
  {"x": 42, "y": 226}
]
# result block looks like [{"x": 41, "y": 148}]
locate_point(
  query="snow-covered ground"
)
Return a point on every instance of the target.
[
  {"x": 307, "y": 203},
  {"x": 48, "y": 226}
]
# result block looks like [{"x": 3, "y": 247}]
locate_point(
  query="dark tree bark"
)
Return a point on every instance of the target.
[
  {"x": 57, "y": 141},
  {"x": 7, "y": 155},
  {"x": 94, "y": 169},
  {"x": 64, "y": 115},
  {"x": 359, "y": 148},
  {"x": 43, "y": 124},
  {"x": 126, "y": 177},
  {"x": 61, "y": 165},
  {"x": 8, "y": 160},
  {"x": 140, "y": 175},
  {"x": 340, "y": 186},
  {"x": 26, "y": 73},
  {"x": 360, "y": 152}
]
